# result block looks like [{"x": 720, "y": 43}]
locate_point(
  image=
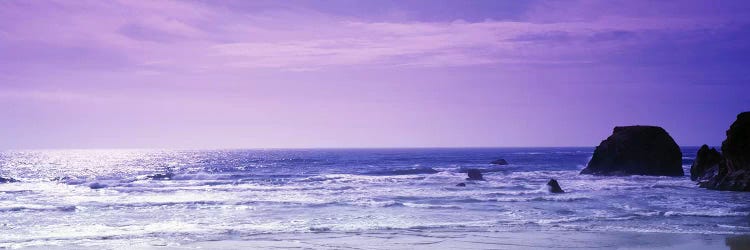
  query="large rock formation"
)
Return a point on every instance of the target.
[
  {"x": 733, "y": 171},
  {"x": 705, "y": 164},
  {"x": 637, "y": 150}
]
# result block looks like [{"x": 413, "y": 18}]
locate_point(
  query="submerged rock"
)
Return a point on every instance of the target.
[
  {"x": 62, "y": 179},
  {"x": 706, "y": 163},
  {"x": 461, "y": 184},
  {"x": 475, "y": 174},
  {"x": 164, "y": 176},
  {"x": 96, "y": 185},
  {"x": 554, "y": 187},
  {"x": 499, "y": 162},
  {"x": 733, "y": 170},
  {"x": 637, "y": 150},
  {"x": 7, "y": 180}
]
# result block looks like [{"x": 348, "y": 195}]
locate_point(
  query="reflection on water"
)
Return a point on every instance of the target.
[{"x": 65, "y": 197}]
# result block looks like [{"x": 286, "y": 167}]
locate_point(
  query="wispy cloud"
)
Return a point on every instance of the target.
[
  {"x": 195, "y": 36},
  {"x": 49, "y": 96}
]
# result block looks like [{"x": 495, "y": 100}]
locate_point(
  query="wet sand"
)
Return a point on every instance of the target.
[{"x": 408, "y": 239}]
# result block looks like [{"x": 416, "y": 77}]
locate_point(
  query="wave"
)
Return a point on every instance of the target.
[
  {"x": 545, "y": 190},
  {"x": 391, "y": 203},
  {"x": 373, "y": 203},
  {"x": 412, "y": 171},
  {"x": 504, "y": 168},
  {"x": 204, "y": 203},
  {"x": 707, "y": 214},
  {"x": 430, "y": 206},
  {"x": 166, "y": 204},
  {"x": 540, "y": 198},
  {"x": 555, "y": 198},
  {"x": 733, "y": 227},
  {"x": 38, "y": 208}
]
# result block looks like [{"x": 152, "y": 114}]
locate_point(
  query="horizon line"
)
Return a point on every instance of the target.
[{"x": 307, "y": 148}]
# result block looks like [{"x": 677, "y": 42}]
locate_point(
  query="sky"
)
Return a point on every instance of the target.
[{"x": 339, "y": 73}]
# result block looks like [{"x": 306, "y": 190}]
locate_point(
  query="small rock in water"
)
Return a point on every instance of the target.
[
  {"x": 60, "y": 179},
  {"x": 475, "y": 174},
  {"x": 499, "y": 162},
  {"x": 554, "y": 187},
  {"x": 461, "y": 184},
  {"x": 165, "y": 176},
  {"x": 97, "y": 185},
  {"x": 7, "y": 180}
]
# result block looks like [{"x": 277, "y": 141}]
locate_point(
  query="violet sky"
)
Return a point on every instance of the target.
[{"x": 260, "y": 74}]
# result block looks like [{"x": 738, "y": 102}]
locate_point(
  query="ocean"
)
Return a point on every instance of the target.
[{"x": 178, "y": 198}]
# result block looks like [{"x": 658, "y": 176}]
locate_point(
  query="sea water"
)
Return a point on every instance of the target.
[{"x": 178, "y": 197}]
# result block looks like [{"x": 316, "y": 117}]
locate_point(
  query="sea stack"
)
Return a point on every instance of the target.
[
  {"x": 706, "y": 163},
  {"x": 637, "y": 150},
  {"x": 733, "y": 170}
]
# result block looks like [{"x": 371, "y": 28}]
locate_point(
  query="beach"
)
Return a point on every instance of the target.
[{"x": 410, "y": 239}]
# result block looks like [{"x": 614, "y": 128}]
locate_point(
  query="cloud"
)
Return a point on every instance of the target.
[
  {"x": 50, "y": 96},
  {"x": 196, "y": 36}
]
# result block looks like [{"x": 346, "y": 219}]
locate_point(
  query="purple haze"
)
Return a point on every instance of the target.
[{"x": 256, "y": 74}]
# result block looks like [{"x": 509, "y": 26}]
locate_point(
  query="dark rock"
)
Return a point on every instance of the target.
[
  {"x": 165, "y": 176},
  {"x": 554, "y": 187},
  {"x": 7, "y": 180},
  {"x": 475, "y": 174},
  {"x": 96, "y": 185},
  {"x": 637, "y": 150},
  {"x": 705, "y": 164},
  {"x": 741, "y": 242},
  {"x": 499, "y": 162},
  {"x": 461, "y": 184},
  {"x": 61, "y": 179},
  {"x": 733, "y": 171}
]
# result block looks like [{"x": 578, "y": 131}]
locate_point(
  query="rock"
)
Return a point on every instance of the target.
[
  {"x": 96, "y": 185},
  {"x": 741, "y": 242},
  {"x": 165, "y": 176},
  {"x": 705, "y": 164},
  {"x": 554, "y": 187},
  {"x": 61, "y": 179},
  {"x": 7, "y": 180},
  {"x": 637, "y": 150},
  {"x": 733, "y": 171},
  {"x": 475, "y": 174},
  {"x": 499, "y": 162},
  {"x": 461, "y": 184}
]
